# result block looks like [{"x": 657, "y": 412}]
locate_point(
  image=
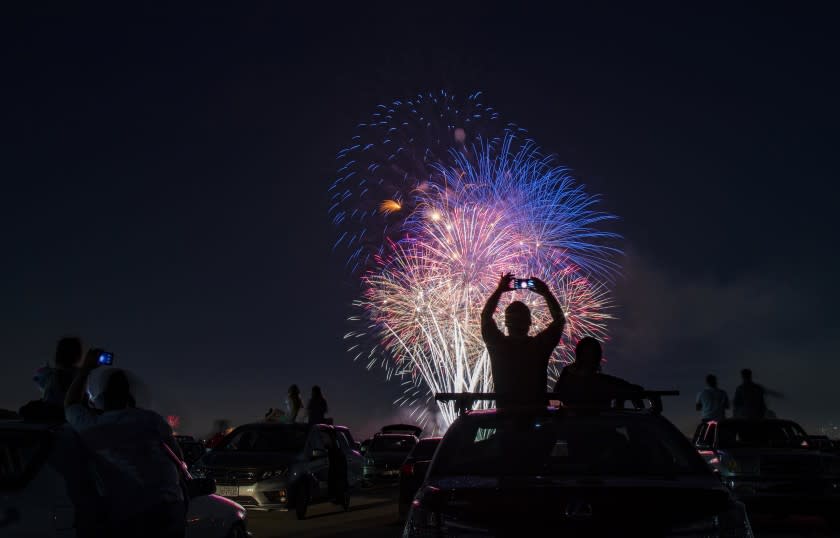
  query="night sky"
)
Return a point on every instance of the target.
[{"x": 165, "y": 174}]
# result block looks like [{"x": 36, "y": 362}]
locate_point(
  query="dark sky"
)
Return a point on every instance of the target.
[{"x": 164, "y": 181}]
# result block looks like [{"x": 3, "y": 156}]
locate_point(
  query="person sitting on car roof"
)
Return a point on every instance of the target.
[
  {"x": 519, "y": 362},
  {"x": 582, "y": 383}
]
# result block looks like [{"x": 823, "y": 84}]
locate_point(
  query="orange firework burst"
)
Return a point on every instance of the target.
[{"x": 389, "y": 206}]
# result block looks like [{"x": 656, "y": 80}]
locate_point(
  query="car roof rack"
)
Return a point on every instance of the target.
[{"x": 464, "y": 400}]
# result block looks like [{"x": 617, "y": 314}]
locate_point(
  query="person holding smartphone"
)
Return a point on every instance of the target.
[
  {"x": 141, "y": 489},
  {"x": 519, "y": 362}
]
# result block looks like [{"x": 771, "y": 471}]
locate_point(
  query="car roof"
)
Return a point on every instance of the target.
[
  {"x": 740, "y": 420},
  {"x": 550, "y": 411},
  {"x": 430, "y": 440}
]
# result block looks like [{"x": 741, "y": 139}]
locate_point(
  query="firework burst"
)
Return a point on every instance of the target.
[{"x": 433, "y": 244}]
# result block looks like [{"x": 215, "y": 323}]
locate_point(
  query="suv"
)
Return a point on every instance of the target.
[
  {"x": 770, "y": 465},
  {"x": 43, "y": 479},
  {"x": 387, "y": 452},
  {"x": 576, "y": 471},
  {"x": 273, "y": 466}
]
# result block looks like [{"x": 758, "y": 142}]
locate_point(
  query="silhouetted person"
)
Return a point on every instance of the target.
[
  {"x": 142, "y": 493},
  {"x": 294, "y": 403},
  {"x": 582, "y": 383},
  {"x": 749, "y": 400},
  {"x": 337, "y": 483},
  {"x": 519, "y": 362},
  {"x": 712, "y": 402},
  {"x": 68, "y": 354},
  {"x": 317, "y": 407}
]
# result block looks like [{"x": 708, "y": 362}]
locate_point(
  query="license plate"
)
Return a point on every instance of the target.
[{"x": 227, "y": 491}]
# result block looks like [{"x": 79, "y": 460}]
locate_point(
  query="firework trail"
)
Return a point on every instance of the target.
[{"x": 432, "y": 247}]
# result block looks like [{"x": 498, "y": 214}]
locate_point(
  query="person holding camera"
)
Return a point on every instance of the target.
[
  {"x": 139, "y": 481},
  {"x": 519, "y": 362}
]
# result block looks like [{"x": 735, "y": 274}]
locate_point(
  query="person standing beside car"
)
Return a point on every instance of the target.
[
  {"x": 140, "y": 484},
  {"x": 712, "y": 402}
]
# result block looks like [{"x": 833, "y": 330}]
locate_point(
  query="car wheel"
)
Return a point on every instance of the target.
[
  {"x": 237, "y": 531},
  {"x": 302, "y": 501}
]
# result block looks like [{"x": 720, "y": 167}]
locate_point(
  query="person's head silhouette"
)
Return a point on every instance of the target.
[
  {"x": 316, "y": 392},
  {"x": 711, "y": 380},
  {"x": 746, "y": 375},
  {"x": 294, "y": 390},
  {"x": 588, "y": 355},
  {"x": 517, "y": 318},
  {"x": 68, "y": 352}
]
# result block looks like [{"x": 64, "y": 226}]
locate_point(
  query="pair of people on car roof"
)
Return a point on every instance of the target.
[{"x": 519, "y": 362}]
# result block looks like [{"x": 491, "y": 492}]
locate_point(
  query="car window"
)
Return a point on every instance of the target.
[
  {"x": 326, "y": 438},
  {"x": 425, "y": 449},
  {"x": 342, "y": 441},
  {"x": 21, "y": 453},
  {"x": 709, "y": 435},
  {"x": 393, "y": 444},
  {"x": 348, "y": 436},
  {"x": 265, "y": 440},
  {"x": 559, "y": 446},
  {"x": 760, "y": 434}
]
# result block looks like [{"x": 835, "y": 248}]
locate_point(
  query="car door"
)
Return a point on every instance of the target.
[
  {"x": 318, "y": 464},
  {"x": 354, "y": 460}
]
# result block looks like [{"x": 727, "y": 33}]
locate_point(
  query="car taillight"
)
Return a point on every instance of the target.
[{"x": 407, "y": 469}]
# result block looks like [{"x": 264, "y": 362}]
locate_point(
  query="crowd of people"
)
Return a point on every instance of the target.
[
  {"x": 749, "y": 401},
  {"x": 137, "y": 479}
]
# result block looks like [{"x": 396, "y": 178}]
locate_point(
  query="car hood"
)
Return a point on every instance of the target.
[
  {"x": 599, "y": 507},
  {"x": 249, "y": 460}
]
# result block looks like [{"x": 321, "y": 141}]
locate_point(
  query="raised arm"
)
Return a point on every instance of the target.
[
  {"x": 76, "y": 392},
  {"x": 488, "y": 324},
  {"x": 557, "y": 316}
]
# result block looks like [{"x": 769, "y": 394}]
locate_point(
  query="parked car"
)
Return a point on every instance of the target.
[
  {"x": 385, "y": 455},
  {"x": 364, "y": 445},
  {"x": 770, "y": 465},
  {"x": 577, "y": 472},
  {"x": 413, "y": 471},
  {"x": 822, "y": 443},
  {"x": 273, "y": 466},
  {"x": 41, "y": 473},
  {"x": 190, "y": 448}
]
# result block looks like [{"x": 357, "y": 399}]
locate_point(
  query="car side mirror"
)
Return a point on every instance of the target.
[
  {"x": 199, "y": 487},
  {"x": 318, "y": 453}
]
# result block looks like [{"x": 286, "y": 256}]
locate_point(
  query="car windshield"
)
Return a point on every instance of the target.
[
  {"x": 760, "y": 434},
  {"x": 21, "y": 452},
  {"x": 392, "y": 444},
  {"x": 266, "y": 440},
  {"x": 626, "y": 445}
]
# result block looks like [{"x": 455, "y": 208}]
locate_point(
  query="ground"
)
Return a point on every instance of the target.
[{"x": 373, "y": 514}]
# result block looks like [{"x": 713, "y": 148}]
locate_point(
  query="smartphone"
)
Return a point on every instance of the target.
[
  {"x": 523, "y": 284},
  {"x": 106, "y": 358}
]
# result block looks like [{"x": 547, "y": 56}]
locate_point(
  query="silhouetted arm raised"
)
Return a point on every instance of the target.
[{"x": 489, "y": 329}]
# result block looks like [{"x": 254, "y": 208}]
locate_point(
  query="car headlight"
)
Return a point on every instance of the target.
[{"x": 275, "y": 473}]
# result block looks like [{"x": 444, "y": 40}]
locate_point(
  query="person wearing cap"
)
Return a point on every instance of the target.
[
  {"x": 140, "y": 482},
  {"x": 519, "y": 362}
]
